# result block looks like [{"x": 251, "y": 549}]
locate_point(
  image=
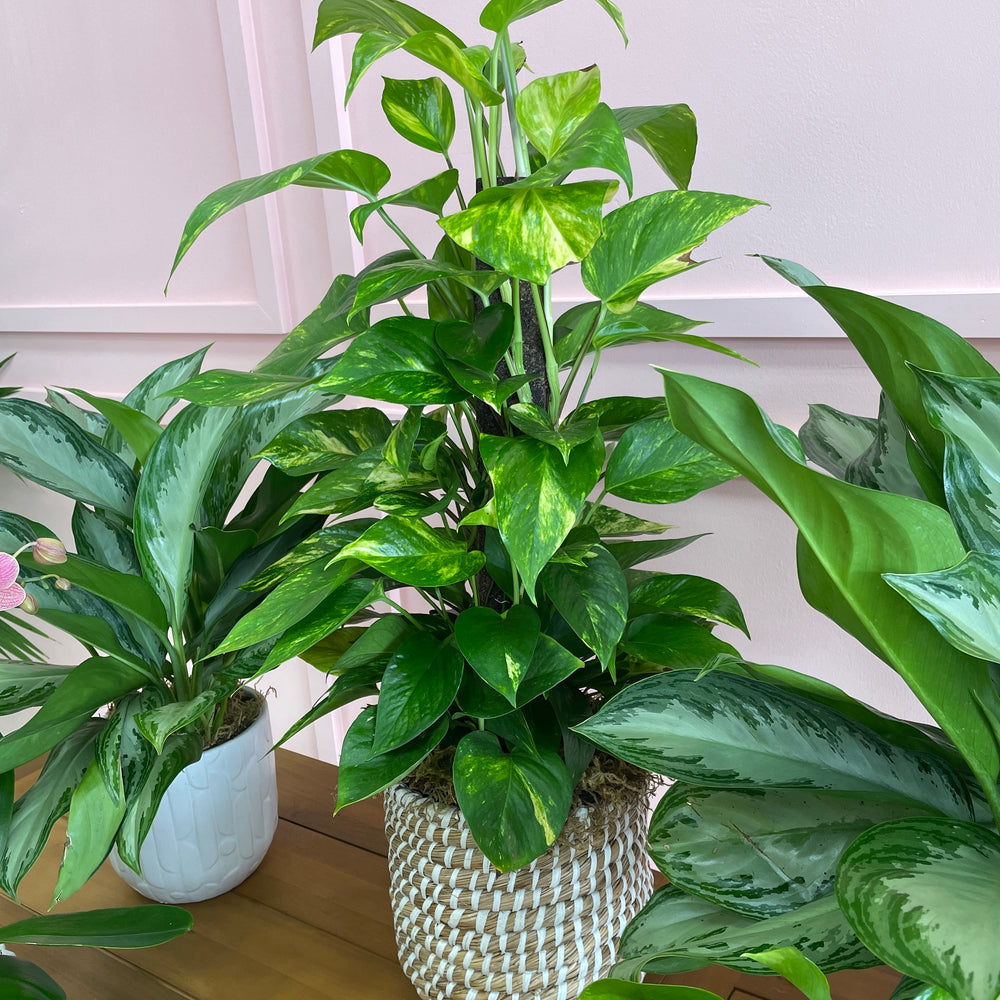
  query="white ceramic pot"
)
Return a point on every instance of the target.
[{"x": 214, "y": 824}]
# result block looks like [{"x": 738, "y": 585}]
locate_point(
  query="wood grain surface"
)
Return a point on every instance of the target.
[{"x": 312, "y": 923}]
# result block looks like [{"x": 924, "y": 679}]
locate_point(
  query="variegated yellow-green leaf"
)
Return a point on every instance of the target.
[
  {"x": 428, "y": 196},
  {"x": 922, "y": 895},
  {"x": 397, "y": 280},
  {"x": 685, "y": 594},
  {"x": 791, "y": 964},
  {"x": 169, "y": 497},
  {"x": 551, "y": 108},
  {"x": 411, "y": 551},
  {"x": 891, "y": 534},
  {"x": 538, "y": 495},
  {"x": 651, "y": 238},
  {"x": 343, "y": 17},
  {"x": 669, "y": 134},
  {"x": 223, "y": 387},
  {"x": 529, "y": 232},
  {"x": 499, "y": 647},
  {"x": 500, "y": 14},
  {"x": 421, "y": 111},
  {"x": 515, "y": 803}
]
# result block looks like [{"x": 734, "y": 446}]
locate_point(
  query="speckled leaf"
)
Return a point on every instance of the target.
[
  {"x": 428, "y": 196},
  {"x": 611, "y": 523},
  {"x": 363, "y": 773},
  {"x": 539, "y": 496},
  {"x": 396, "y": 280},
  {"x": 650, "y": 239},
  {"x": 419, "y": 684},
  {"x": 531, "y": 419},
  {"x": 592, "y": 597},
  {"x": 170, "y": 494},
  {"x": 421, "y": 111},
  {"x": 411, "y": 551},
  {"x": 515, "y": 803},
  {"x": 500, "y": 14},
  {"x": 833, "y": 439},
  {"x": 551, "y": 108},
  {"x": 676, "y": 932},
  {"x": 890, "y": 534},
  {"x": 27, "y": 684},
  {"x": 967, "y": 412},
  {"x": 669, "y": 133},
  {"x": 760, "y": 851},
  {"x": 922, "y": 894},
  {"x": 684, "y": 594},
  {"x": 100, "y": 539},
  {"x": 654, "y": 463},
  {"x": 529, "y": 232},
  {"x": 137, "y": 430},
  {"x": 499, "y": 647},
  {"x": 42, "y": 445},
  {"x": 342, "y": 170},
  {"x": 222, "y": 387},
  {"x": 731, "y": 731},
  {"x": 157, "y": 724}
]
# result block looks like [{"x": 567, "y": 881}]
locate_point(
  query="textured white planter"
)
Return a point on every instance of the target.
[{"x": 215, "y": 822}]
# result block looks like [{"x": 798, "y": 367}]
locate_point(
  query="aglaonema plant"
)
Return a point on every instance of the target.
[
  {"x": 479, "y": 473},
  {"x": 898, "y": 543},
  {"x": 148, "y": 580}
]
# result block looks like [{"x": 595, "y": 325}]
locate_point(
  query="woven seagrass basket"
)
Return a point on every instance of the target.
[{"x": 544, "y": 932}]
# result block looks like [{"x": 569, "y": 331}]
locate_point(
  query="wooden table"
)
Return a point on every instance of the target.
[{"x": 312, "y": 923}]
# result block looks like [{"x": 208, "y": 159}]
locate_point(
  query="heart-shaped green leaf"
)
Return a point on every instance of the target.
[
  {"x": 421, "y": 111},
  {"x": 531, "y": 419},
  {"x": 320, "y": 441},
  {"x": 669, "y": 134},
  {"x": 515, "y": 803},
  {"x": 922, "y": 894},
  {"x": 428, "y": 196},
  {"x": 499, "y": 647},
  {"x": 419, "y": 683},
  {"x": 551, "y": 108},
  {"x": 483, "y": 342}
]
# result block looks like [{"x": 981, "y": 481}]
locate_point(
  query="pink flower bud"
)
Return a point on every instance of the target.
[
  {"x": 49, "y": 551},
  {"x": 29, "y": 605}
]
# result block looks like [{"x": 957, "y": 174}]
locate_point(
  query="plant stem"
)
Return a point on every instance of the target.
[
  {"x": 521, "y": 165},
  {"x": 401, "y": 610},
  {"x": 493, "y": 134},
  {"x": 551, "y": 365},
  {"x": 582, "y": 353},
  {"x": 476, "y": 137}
]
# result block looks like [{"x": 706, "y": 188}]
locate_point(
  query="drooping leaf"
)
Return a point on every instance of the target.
[
  {"x": 363, "y": 773},
  {"x": 921, "y": 893},
  {"x": 730, "y": 731},
  {"x": 669, "y": 134},
  {"x": 500, "y": 14},
  {"x": 650, "y": 239},
  {"x": 515, "y": 803},
  {"x": 684, "y": 594},
  {"x": 396, "y": 280},
  {"x": 428, "y": 196},
  {"x": 419, "y": 683},
  {"x": 137, "y": 430},
  {"x": 529, "y": 232}
]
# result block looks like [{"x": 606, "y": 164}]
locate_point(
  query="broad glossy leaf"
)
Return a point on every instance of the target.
[
  {"x": 617, "y": 989},
  {"x": 223, "y": 387},
  {"x": 343, "y": 604},
  {"x": 650, "y": 239},
  {"x": 169, "y": 497},
  {"x": 531, "y": 419},
  {"x": 529, "y": 232},
  {"x": 428, "y": 196},
  {"x": 121, "y": 927},
  {"x": 24, "y": 980},
  {"x": 27, "y": 684},
  {"x": 629, "y": 554},
  {"x": 891, "y": 534},
  {"x": 181, "y": 749},
  {"x": 593, "y": 598},
  {"x": 317, "y": 441},
  {"x": 421, "y": 111},
  {"x": 479, "y": 344},
  {"x": 49, "y": 449},
  {"x": 911, "y": 989},
  {"x": 499, "y": 647},
  {"x": 101, "y": 539},
  {"x": 669, "y": 133},
  {"x": 792, "y": 965},
  {"x": 158, "y": 724},
  {"x": 45, "y": 801},
  {"x": 500, "y": 14},
  {"x": 967, "y": 412},
  {"x": 94, "y": 818},
  {"x": 396, "y": 280},
  {"x": 94, "y": 423},
  {"x": 611, "y": 523},
  {"x": 342, "y": 170},
  {"x": 538, "y": 496},
  {"x": 369, "y": 48},
  {"x": 922, "y": 894},
  {"x": 833, "y": 439},
  {"x": 730, "y": 731},
  {"x": 673, "y": 642},
  {"x": 342, "y": 17},
  {"x": 287, "y": 604},
  {"x": 760, "y": 851},
  {"x": 962, "y": 602},
  {"x": 515, "y": 803},
  {"x": 396, "y": 361},
  {"x": 137, "y": 430},
  {"x": 94, "y": 683},
  {"x": 684, "y": 594},
  {"x": 363, "y": 773},
  {"x": 551, "y": 108},
  {"x": 377, "y": 642},
  {"x": 411, "y": 551},
  {"x": 676, "y": 932},
  {"x": 485, "y": 386},
  {"x": 419, "y": 683},
  {"x": 655, "y": 463},
  {"x": 615, "y": 414}
]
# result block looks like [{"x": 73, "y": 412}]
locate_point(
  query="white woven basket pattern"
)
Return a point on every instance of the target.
[{"x": 466, "y": 931}]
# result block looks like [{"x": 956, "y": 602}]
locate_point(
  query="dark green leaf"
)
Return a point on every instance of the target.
[
  {"x": 122, "y": 927},
  {"x": 421, "y": 111},
  {"x": 499, "y": 647},
  {"x": 673, "y": 642},
  {"x": 21, "y": 980},
  {"x": 687, "y": 595}
]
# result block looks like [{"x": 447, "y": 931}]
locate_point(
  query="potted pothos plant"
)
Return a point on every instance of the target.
[
  {"x": 148, "y": 580},
  {"x": 480, "y": 475},
  {"x": 898, "y": 543}
]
